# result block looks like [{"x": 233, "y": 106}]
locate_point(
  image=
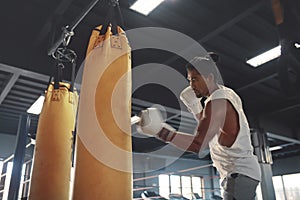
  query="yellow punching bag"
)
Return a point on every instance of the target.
[
  {"x": 50, "y": 177},
  {"x": 103, "y": 169}
]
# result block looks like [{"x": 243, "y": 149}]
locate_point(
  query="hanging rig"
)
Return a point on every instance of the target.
[{"x": 62, "y": 54}]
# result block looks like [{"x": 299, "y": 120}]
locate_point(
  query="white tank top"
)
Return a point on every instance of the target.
[{"x": 238, "y": 158}]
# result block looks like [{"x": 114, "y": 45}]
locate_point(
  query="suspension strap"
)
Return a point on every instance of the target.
[{"x": 113, "y": 18}]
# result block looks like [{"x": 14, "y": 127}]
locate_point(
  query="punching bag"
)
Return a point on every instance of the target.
[
  {"x": 103, "y": 167},
  {"x": 50, "y": 177}
]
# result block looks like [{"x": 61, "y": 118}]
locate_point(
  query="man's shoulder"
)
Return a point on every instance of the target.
[{"x": 223, "y": 92}]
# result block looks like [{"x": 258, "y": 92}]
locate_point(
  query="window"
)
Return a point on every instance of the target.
[
  {"x": 291, "y": 186},
  {"x": 186, "y": 184},
  {"x": 258, "y": 192},
  {"x": 286, "y": 187},
  {"x": 164, "y": 185},
  {"x": 7, "y": 179},
  {"x": 197, "y": 185},
  {"x": 175, "y": 184},
  {"x": 182, "y": 185},
  {"x": 278, "y": 187},
  {"x": 9, "y": 168}
]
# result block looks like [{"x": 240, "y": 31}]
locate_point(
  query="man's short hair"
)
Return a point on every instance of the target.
[{"x": 205, "y": 65}]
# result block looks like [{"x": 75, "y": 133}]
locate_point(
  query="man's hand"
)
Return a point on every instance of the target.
[
  {"x": 153, "y": 125},
  {"x": 188, "y": 97}
]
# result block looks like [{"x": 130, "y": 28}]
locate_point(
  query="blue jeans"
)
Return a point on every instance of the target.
[{"x": 239, "y": 187}]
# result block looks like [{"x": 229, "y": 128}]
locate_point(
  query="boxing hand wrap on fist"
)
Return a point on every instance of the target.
[
  {"x": 152, "y": 124},
  {"x": 190, "y": 100}
]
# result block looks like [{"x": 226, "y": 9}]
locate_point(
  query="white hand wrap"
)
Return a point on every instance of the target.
[
  {"x": 188, "y": 97},
  {"x": 152, "y": 122}
]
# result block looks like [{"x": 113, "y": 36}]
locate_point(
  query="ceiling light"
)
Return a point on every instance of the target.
[
  {"x": 145, "y": 6},
  {"x": 36, "y": 107},
  {"x": 265, "y": 57},
  {"x": 297, "y": 45},
  {"x": 275, "y": 148}
]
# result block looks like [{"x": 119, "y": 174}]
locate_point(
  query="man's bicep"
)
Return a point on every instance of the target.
[{"x": 212, "y": 122}]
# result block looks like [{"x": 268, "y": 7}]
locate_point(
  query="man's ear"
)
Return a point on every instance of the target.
[{"x": 211, "y": 77}]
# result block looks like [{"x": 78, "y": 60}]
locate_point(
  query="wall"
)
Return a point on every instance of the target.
[
  {"x": 7, "y": 145},
  {"x": 283, "y": 166}
]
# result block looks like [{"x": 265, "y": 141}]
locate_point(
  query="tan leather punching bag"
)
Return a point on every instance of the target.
[
  {"x": 50, "y": 177},
  {"x": 103, "y": 168}
]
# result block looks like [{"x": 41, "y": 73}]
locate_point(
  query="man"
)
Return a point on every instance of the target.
[{"x": 222, "y": 126}]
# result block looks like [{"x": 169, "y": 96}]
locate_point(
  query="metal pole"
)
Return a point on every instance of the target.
[
  {"x": 69, "y": 29},
  {"x": 283, "y": 187},
  {"x": 261, "y": 148},
  {"x": 19, "y": 154}
]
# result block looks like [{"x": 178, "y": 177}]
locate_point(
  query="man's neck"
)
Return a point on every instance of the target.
[{"x": 212, "y": 89}]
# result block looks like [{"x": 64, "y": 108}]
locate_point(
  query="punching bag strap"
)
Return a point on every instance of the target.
[
  {"x": 58, "y": 75},
  {"x": 73, "y": 62},
  {"x": 118, "y": 19},
  {"x": 107, "y": 21},
  {"x": 114, "y": 17}
]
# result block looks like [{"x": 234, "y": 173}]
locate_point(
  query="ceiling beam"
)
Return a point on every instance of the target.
[
  {"x": 13, "y": 79},
  {"x": 249, "y": 40},
  {"x": 231, "y": 22},
  {"x": 17, "y": 103},
  {"x": 272, "y": 108},
  {"x": 240, "y": 51},
  {"x": 14, "y": 107},
  {"x": 222, "y": 28},
  {"x": 258, "y": 81},
  {"x": 283, "y": 138},
  {"x": 23, "y": 72},
  {"x": 285, "y": 108},
  {"x": 264, "y": 23}
]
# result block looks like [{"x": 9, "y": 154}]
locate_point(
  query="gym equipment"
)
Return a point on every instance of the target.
[
  {"x": 151, "y": 195},
  {"x": 193, "y": 104},
  {"x": 53, "y": 150},
  {"x": 103, "y": 144},
  {"x": 151, "y": 122}
]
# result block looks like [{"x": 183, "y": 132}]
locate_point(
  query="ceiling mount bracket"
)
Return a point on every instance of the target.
[
  {"x": 114, "y": 3},
  {"x": 67, "y": 35},
  {"x": 69, "y": 28}
]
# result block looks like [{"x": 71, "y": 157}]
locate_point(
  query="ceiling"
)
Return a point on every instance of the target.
[{"x": 235, "y": 29}]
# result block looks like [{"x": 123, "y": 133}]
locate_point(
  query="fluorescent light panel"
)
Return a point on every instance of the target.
[
  {"x": 275, "y": 148},
  {"x": 36, "y": 107},
  {"x": 145, "y": 6},
  {"x": 265, "y": 57}
]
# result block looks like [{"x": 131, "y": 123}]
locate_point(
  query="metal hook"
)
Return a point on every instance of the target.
[
  {"x": 67, "y": 35},
  {"x": 114, "y": 3}
]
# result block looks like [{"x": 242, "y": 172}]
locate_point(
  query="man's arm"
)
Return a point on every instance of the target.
[{"x": 209, "y": 125}]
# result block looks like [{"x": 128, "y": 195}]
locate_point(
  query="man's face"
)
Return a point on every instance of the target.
[{"x": 198, "y": 83}]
